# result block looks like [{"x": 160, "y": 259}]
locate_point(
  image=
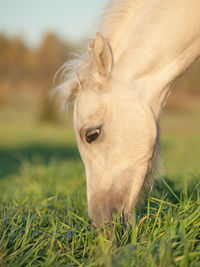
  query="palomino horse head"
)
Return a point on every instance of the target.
[
  {"x": 120, "y": 88},
  {"x": 116, "y": 134}
]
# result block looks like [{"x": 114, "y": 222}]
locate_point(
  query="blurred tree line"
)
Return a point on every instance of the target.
[{"x": 26, "y": 74}]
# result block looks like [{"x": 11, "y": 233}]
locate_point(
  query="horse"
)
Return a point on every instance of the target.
[{"x": 119, "y": 86}]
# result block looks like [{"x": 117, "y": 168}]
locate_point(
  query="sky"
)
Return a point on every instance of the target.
[{"x": 70, "y": 19}]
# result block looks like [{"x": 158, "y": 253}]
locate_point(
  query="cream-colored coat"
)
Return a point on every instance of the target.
[{"x": 120, "y": 88}]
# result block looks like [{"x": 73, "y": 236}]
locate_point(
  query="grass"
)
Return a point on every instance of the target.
[{"x": 43, "y": 206}]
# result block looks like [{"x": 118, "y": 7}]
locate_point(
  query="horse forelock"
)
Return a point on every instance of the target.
[
  {"x": 76, "y": 73},
  {"x": 72, "y": 75}
]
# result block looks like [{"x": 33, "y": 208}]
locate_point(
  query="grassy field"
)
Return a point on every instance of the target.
[{"x": 43, "y": 206}]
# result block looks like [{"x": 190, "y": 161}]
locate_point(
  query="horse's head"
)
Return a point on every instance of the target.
[{"x": 116, "y": 134}]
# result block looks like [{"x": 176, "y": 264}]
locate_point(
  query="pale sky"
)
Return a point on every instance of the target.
[{"x": 70, "y": 19}]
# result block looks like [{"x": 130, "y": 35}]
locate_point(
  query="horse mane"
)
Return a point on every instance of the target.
[
  {"x": 115, "y": 14},
  {"x": 75, "y": 71}
]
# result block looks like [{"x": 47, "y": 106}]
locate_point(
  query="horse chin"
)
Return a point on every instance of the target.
[{"x": 120, "y": 215}]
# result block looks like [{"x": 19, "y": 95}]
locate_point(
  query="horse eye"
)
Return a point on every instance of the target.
[{"x": 92, "y": 134}]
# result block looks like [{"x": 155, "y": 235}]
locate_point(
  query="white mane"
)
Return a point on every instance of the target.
[
  {"x": 75, "y": 71},
  {"x": 114, "y": 16}
]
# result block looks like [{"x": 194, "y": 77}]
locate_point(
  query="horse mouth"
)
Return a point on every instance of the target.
[{"x": 111, "y": 216}]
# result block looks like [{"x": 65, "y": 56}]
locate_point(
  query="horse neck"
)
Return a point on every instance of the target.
[{"x": 155, "y": 44}]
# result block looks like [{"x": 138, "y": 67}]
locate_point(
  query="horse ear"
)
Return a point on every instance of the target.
[{"x": 102, "y": 58}]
